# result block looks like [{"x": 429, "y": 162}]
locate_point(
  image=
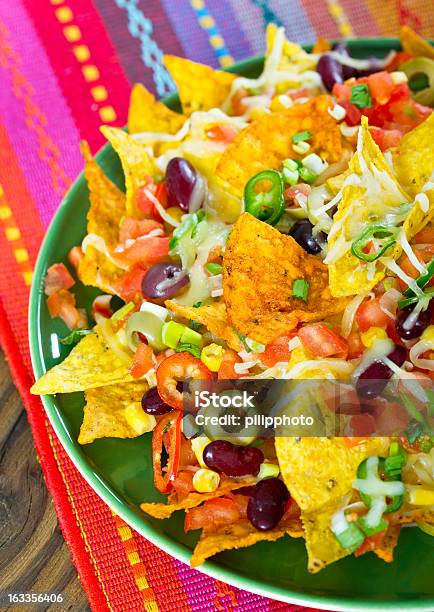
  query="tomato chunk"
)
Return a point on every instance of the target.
[
  {"x": 129, "y": 286},
  {"x": 217, "y": 511},
  {"x": 369, "y": 314},
  {"x": 62, "y": 304},
  {"x": 321, "y": 341},
  {"x": 134, "y": 228},
  {"x": 221, "y": 133},
  {"x": 277, "y": 350},
  {"x": 143, "y": 360},
  {"x": 57, "y": 278},
  {"x": 226, "y": 370}
]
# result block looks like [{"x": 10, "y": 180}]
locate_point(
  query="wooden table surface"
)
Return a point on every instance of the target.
[{"x": 33, "y": 555}]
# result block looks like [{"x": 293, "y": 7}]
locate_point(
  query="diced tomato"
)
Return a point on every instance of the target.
[
  {"x": 321, "y": 341},
  {"x": 342, "y": 399},
  {"x": 161, "y": 194},
  {"x": 341, "y": 91},
  {"x": 371, "y": 543},
  {"x": 75, "y": 256},
  {"x": 134, "y": 228},
  {"x": 424, "y": 256},
  {"x": 57, "y": 278},
  {"x": 241, "y": 501},
  {"x": 143, "y": 360},
  {"x": 392, "y": 333},
  {"x": 353, "y": 114},
  {"x": 101, "y": 306},
  {"x": 277, "y": 350},
  {"x": 178, "y": 368},
  {"x": 221, "y": 133},
  {"x": 390, "y": 418},
  {"x": 62, "y": 304},
  {"x": 369, "y": 314},
  {"x": 381, "y": 86},
  {"x": 398, "y": 59},
  {"x": 183, "y": 484},
  {"x": 226, "y": 370},
  {"x": 355, "y": 345},
  {"x": 425, "y": 236},
  {"x": 145, "y": 250},
  {"x": 217, "y": 511},
  {"x": 129, "y": 286},
  {"x": 386, "y": 139},
  {"x": 238, "y": 107},
  {"x": 144, "y": 201},
  {"x": 360, "y": 425}
]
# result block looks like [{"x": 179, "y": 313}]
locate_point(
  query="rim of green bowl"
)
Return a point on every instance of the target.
[{"x": 109, "y": 496}]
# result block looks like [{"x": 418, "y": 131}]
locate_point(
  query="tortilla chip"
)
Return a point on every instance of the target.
[
  {"x": 200, "y": 87},
  {"x": 321, "y": 544},
  {"x": 90, "y": 364},
  {"x": 97, "y": 270},
  {"x": 293, "y": 58},
  {"x": 265, "y": 143},
  {"x": 414, "y": 44},
  {"x": 348, "y": 275},
  {"x": 136, "y": 164},
  {"x": 259, "y": 267},
  {"x": 107, "y": 202},
  {"x": 384, "y": 550},
  {"x": 320, "y": 471},
  {"x": 413, "y": 161},
  {"x": 104, "y": 412},
  {"x": 146, "y": 114},
  {"x": 321, "y": 45},
  {"x": 213, "y": 316},
  {"x": 162, "y": 511},
  {"x": 238, "y": 535}
]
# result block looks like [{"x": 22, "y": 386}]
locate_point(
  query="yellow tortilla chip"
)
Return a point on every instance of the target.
[
  {"x": 375, "y": 194},
  {"x": 265, "y": 143},
  {"x": 193, "y": 499},
  {"x": 104, "y": 412},
  {"x": 321, "y": 544},
  {"x": 259, "y": 268},
  {"x": 136, "y": 164},
  {"x": 90, "y": 364},
  {"x": 146, "y": 114},
  {"x": 107, "y": 202},
  {"x": 238, "y": 535},
  {"x": 384, "y": 550},
  {"x": 413, "y": 161},
  {"x": 318, "y": 470},
  {"x": 213, "y": 316},
  {"x": 97, "y": 270},
  {"x": 200, "y": 87},
  {"x": 414, "y": 44},
  {"x": 293, "y": 58}
]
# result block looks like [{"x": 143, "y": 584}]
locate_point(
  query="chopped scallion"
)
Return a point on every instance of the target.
[
  {"x": 301, "y": 136},
  {"x": 214, "y": 268},
  {"x": 361, "y": 96},
  {"x": 185, "y": 347},
  {"x": 300, "y": 289},
  {"x": 74, "y": 336}
]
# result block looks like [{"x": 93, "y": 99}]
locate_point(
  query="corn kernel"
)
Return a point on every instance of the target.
[
  {"x": 268, "y": 470},
  {"x": 198, "y": 445},
  {"x": 280, "y": 102},
  {"x": 374, "y": 333},
  {"x": 428, "y": 334},
  {"x": 212, "y": 356},
  {"x": 206, "y": 481},
  {"x": 420, "y": 496},
  {"x": 138, "y": 420}
]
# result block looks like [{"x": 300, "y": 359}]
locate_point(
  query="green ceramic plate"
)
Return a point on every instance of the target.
[{"x": 120, "y": 471}]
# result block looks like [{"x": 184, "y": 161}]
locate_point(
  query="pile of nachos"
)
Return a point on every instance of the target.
[{"x": 279, "y": 227}]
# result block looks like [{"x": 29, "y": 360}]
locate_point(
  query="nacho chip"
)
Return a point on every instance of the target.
[
  {"x": 385, "y": 547},
  {"x": 265, "y": 143},
  {"x": 193, "y": 499},
  {"x": 321, "y": 544},
  {"x": 259, "y": 268},
  {"x": 104, "y": 412},
  {"x": 414, "y": 44},
  {"x": 213, "y": 317},
  {"x": 107, "y": 202},
  {"x": 372, "y": 194},
  {"x": 146, "y": 114},
  {"x": 90, "y": 364},
  {"x": 136, "y": 164},
  {"x": 97, "y": 270},
  {"x": 320, "y": 471},
  {"x": 321, "y": 45},
  {"x": 238, "y": 535},
  {"x": 413, "y": 161},
  {"x": 200, "y": 87},
  {"x": 293, "y": 58}
]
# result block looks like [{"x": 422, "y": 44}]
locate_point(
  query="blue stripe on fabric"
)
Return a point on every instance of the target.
[{"x": 193, "y": 39}]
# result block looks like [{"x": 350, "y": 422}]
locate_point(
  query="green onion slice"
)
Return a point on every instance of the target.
[
  {"x": 383, "y": 236},
  {"x": 300, "y": 289},
  {"x": 429, "y": 293},
  {"x": 185, "y": 347},
  {"x": 74, "y": 336},
  {"x": 214, "y": 268},
  {"x": 423, "y": 279},
  {"x": 361, "y": 96},
  {"x": 268, "y": 204},
  {"x": 301, "y": 136}
]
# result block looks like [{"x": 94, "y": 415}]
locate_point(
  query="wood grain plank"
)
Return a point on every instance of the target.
[{"x": 33, "y": 555}]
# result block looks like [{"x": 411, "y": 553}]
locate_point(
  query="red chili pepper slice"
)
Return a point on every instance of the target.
[
  {"x": 168, "y": 426},
  {"x": 175, "y": 369}
]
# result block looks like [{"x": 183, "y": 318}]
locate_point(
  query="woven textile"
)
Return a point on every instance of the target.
[{"x": 66, "y": 66}]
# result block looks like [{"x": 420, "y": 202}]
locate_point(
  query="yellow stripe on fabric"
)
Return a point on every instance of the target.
[
  {"x": 339, "y": 16},
  {"x": 77, "y": 517},
  {"x": 215, "y": 38},
  {"x": 13, "y": 235}
]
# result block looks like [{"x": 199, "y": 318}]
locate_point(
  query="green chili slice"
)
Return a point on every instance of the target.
[
  {"x": 423, "y": 279},
  {"x": 395, "y": 501},
  {"x": 373, "y": 232},
  {"x": 267, "y": 204},
  {"x": 429, "y": 293}
]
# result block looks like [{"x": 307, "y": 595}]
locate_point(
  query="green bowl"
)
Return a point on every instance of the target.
[{"x": 120, "y": 471}]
